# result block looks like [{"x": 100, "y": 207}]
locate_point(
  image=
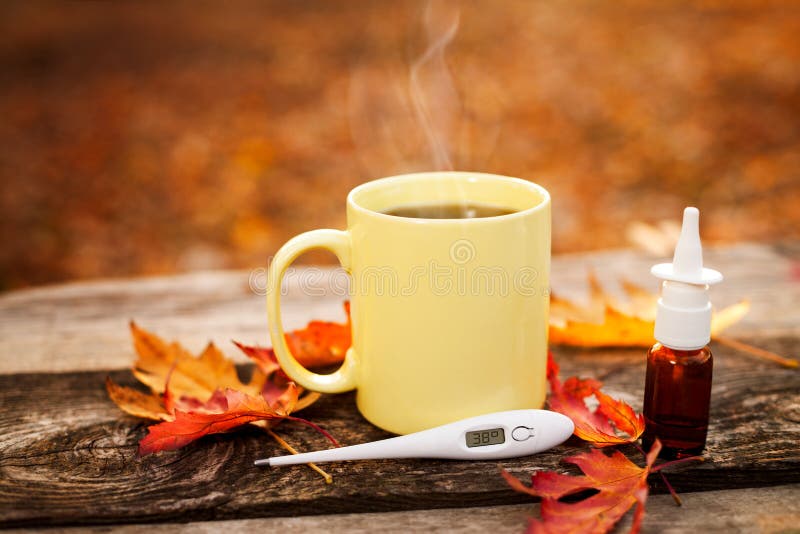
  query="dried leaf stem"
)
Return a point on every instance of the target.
[
  {"x": 755, "y": 351},
  {"x": 328, "y": 478},
  {"x": 659, "y": 469}
]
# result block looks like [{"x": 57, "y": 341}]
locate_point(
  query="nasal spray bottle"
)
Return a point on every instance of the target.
[{"x": 677, "y": 391}]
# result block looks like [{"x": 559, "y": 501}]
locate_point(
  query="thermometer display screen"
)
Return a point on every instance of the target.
[{"x": 479, "y": 438}]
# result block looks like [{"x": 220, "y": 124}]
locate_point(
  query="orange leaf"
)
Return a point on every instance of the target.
[
  {"x": 190, "y": 376},
  {"x": 276, "y": 379},
  {"x": 616, "y": 330},
  {"x": 609, "y": 322},
  {"x": 264, "y": 357},
  {"x": 224, "y": 412},
  {"x": 202, "y": 395},
  {"x": 593, "y": 426},
  {"x": 321, "y": 343},
  {"x": 135, "y": 402},
  {"x": 620, "y": 484}
]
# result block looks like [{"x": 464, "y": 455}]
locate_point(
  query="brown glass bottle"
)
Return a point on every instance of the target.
[{"x": 677, "y": 396}]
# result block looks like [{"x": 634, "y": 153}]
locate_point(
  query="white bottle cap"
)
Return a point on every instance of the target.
[{"x": 683, "y": 314}]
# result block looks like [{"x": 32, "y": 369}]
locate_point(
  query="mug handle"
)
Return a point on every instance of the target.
[{"x": 338, "y": 242}]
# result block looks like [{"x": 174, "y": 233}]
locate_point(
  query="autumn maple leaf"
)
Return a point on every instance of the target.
[
  {"x": 197, "y": 396},
  {"x": 224, "y": 411},
  {"x": 319, "y": 344},
  {"x": 610, "y": 322},
  {"x": 620, "y": 484},
  {"x": 595, "y": 427},
  {"x": 189, "y": 381}
]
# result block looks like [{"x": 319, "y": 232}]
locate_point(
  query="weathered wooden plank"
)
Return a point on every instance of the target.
[
  {"x": 83, "y": 326},
  {"x": 67, "y": 453},
  {"x": 745, "y": 511}
]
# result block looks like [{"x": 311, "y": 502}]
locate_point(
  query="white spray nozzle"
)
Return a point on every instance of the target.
[
  {"x": 683, "y": 314},
  {"x": 687, "y": 263}
]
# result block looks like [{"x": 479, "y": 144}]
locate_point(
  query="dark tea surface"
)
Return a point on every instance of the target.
[{"x": 448, "y": 211}]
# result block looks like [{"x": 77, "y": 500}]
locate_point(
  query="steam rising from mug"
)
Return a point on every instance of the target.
[
  {"x": 419, "y": 119},
  {"x": 431, "y": 94}
]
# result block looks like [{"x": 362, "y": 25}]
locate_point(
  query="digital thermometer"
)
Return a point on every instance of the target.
[{"x": 486, "y": 437}]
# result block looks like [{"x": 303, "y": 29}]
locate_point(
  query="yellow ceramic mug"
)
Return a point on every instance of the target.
[{"x": 449, "y": 316}]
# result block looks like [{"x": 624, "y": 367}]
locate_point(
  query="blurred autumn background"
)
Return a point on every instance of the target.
[{"x": 141, "y": 138}]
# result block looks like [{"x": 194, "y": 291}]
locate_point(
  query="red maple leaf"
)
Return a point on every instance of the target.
[
  {"x": 200, "y": 395},
  {"x": 224, "y": 411},
  {"x": 619, "y": 483},
  {"x": 596, "y": 426}
]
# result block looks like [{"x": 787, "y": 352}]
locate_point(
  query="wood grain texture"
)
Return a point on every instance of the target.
[
  {"x": 745, "y": 511},
  {"x": 67, "y": 454}
]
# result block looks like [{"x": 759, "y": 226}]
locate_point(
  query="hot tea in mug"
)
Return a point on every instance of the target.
[{"x": 449, "y": 298}]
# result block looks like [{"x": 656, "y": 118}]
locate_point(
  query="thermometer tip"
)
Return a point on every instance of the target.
[{"x": 261, "y": 463}]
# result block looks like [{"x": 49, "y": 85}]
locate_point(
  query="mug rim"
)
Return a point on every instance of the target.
[{"x": 383, "y": 182}]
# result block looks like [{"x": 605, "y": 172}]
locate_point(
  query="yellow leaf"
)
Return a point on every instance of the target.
[
  {"x": 616, "y": 330},
  {"x": 136, "y": 403},
  {"x": 609, "y": 322},
  {"x": 196, "y": 377},
  {"x": 193, "y": 380}
]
